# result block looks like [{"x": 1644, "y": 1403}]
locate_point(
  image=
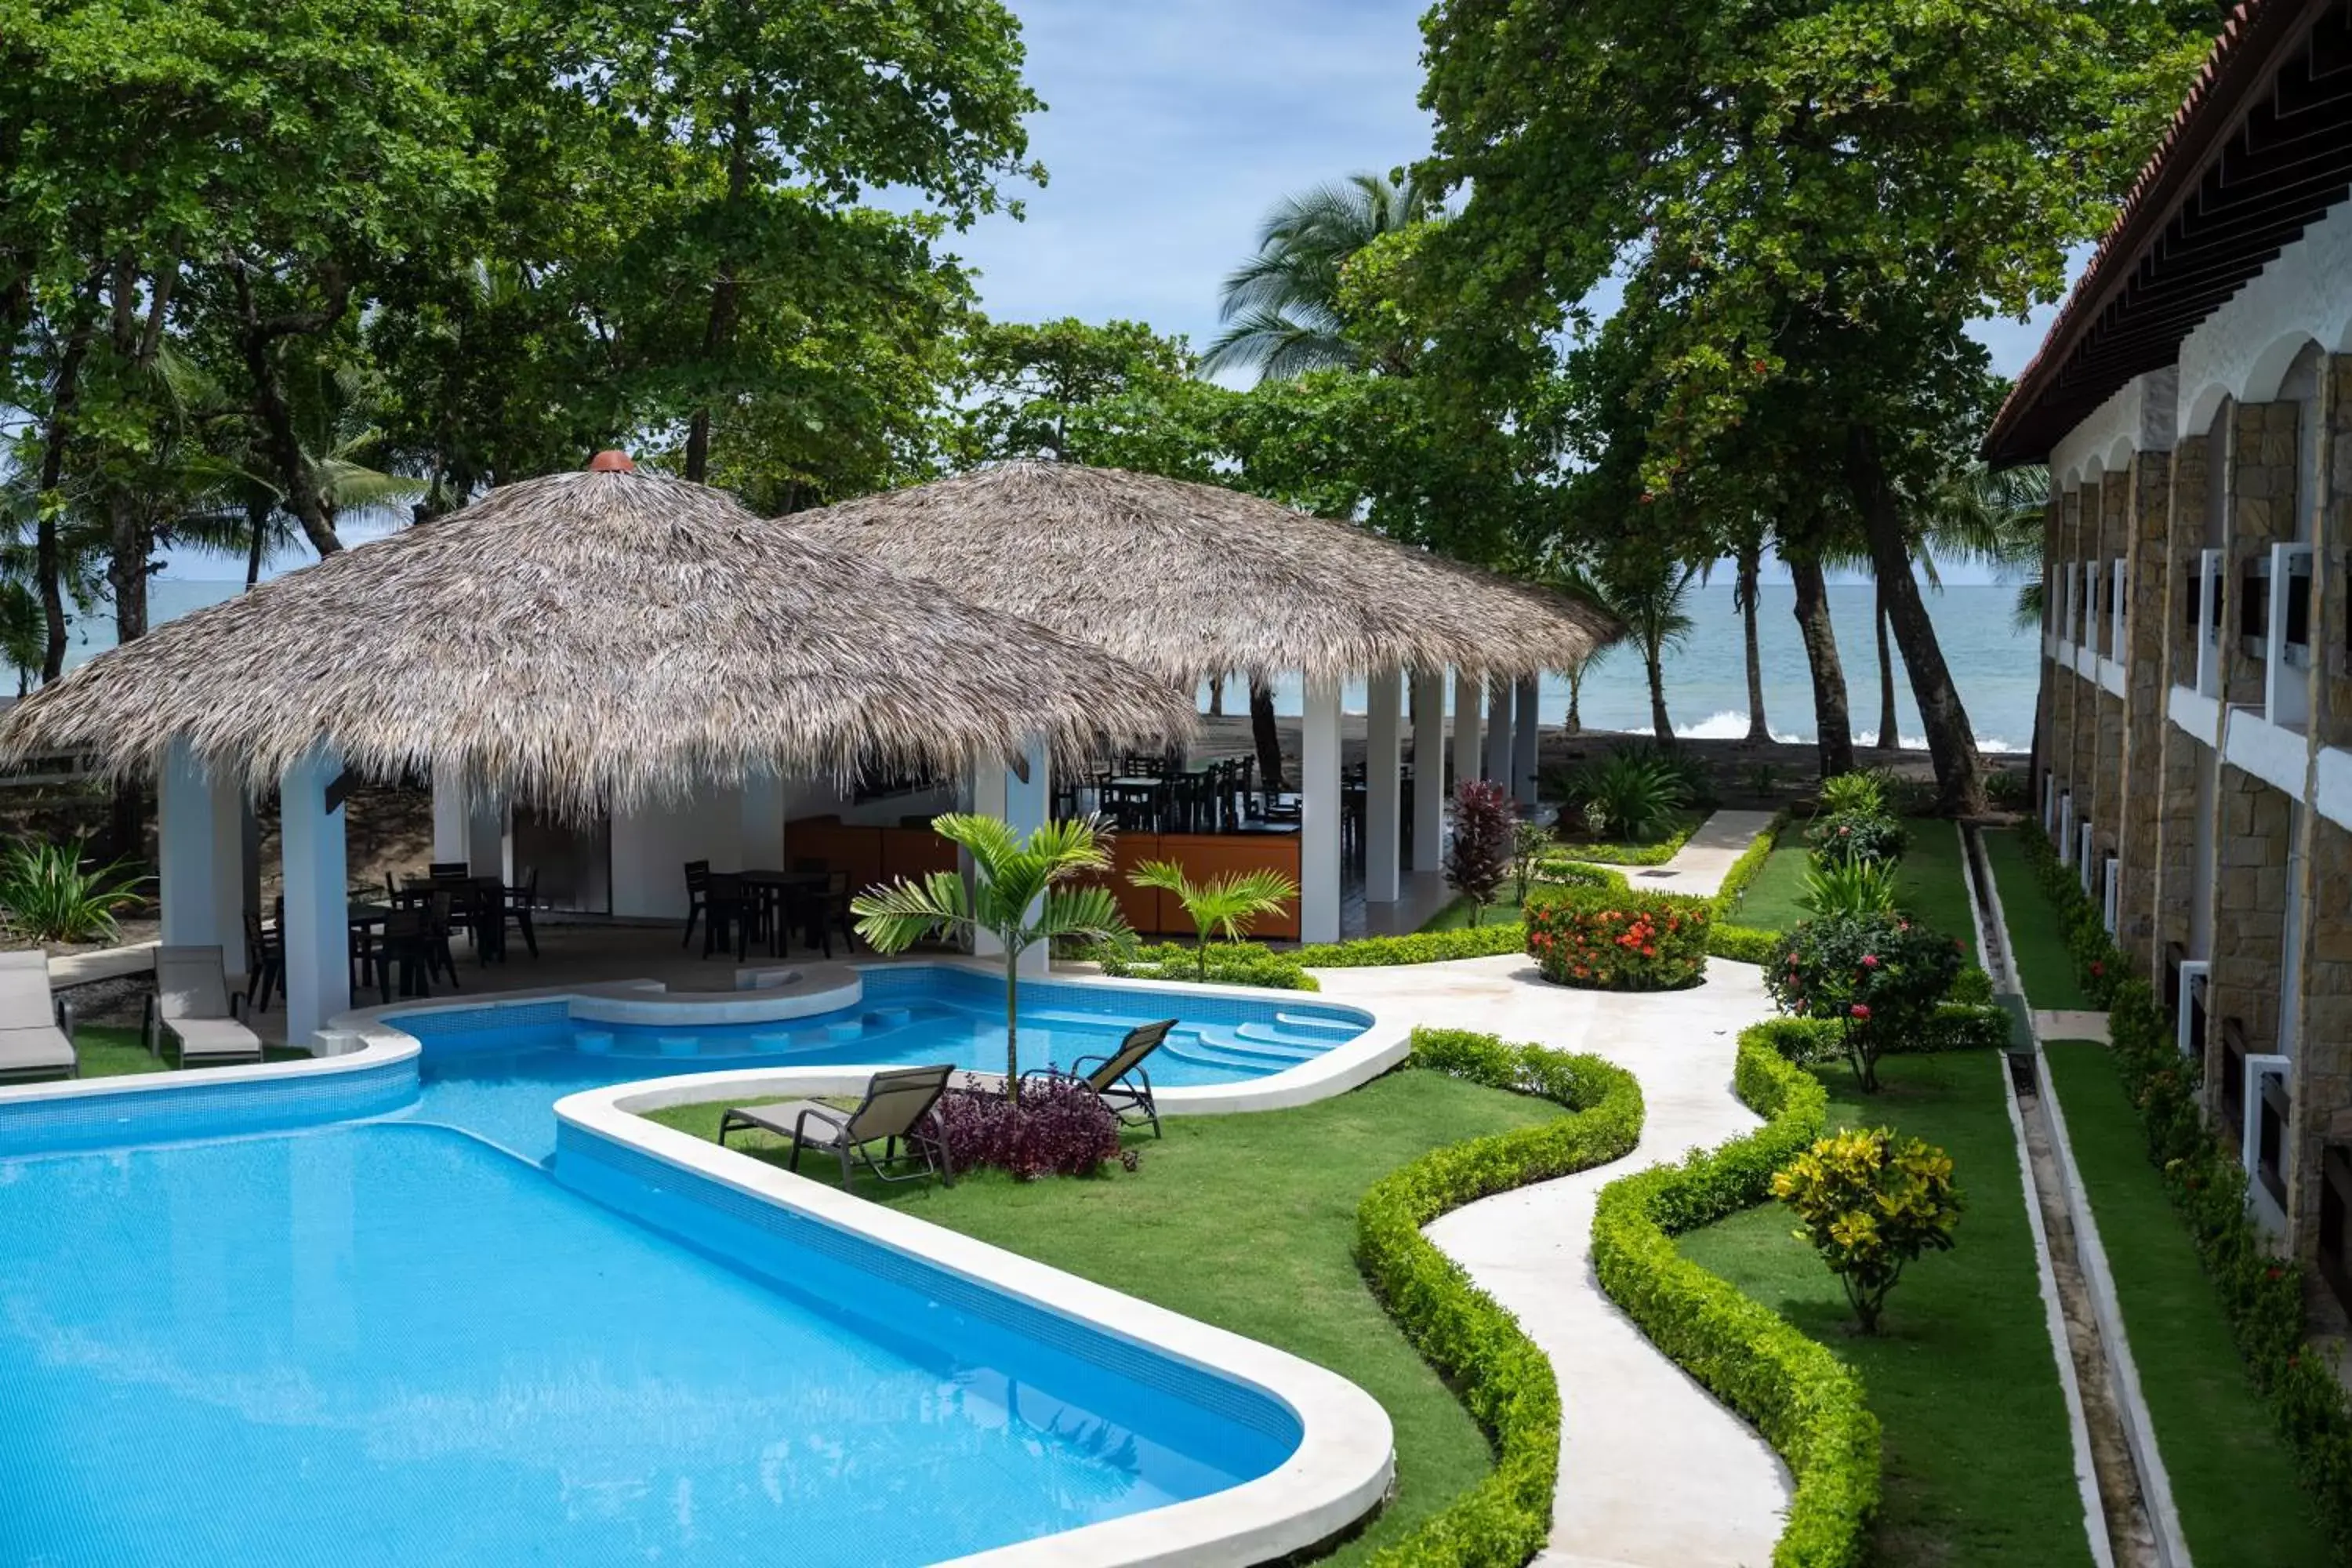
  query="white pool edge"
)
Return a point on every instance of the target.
[{"x": 1340, "y": 1472}]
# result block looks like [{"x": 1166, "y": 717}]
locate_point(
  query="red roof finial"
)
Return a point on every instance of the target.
[{"x": 611, "y": 461}]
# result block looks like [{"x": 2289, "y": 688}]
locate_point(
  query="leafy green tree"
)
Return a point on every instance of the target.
[
  {"x": 1117, "y": 396},
  {"x": 1225, "y": 904},
  {"x": 1023, "y": 893},
  {"x": 1808, "y": 206}
]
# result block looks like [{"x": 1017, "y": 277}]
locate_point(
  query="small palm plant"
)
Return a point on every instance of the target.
[
  {"x": 1225, "y": 904},
  {"x": 1021, "y": 896}
]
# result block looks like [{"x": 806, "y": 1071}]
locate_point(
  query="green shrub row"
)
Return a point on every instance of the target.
[
  {"x": 1957, "y": 1026},
  {"x": 2098, "y": 962},
  {"x": 1740, "y": 943},
  {"x": 1810, "y": 1405},
  {"x": 1505, "y": 1382},
  {"x": 1656, "y": 854},
  {"x": 1230, "y": 963},
  {"x": 2261, "y": 1293}
]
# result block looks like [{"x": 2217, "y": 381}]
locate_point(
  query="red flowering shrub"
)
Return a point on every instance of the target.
[
  {"x": 1059, "y": 1130},
  {"x": 1879, "y": 976},
  {"x": 1605, "y": 939}
]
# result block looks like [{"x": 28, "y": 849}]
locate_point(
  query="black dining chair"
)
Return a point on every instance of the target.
[
  {"x": 697, "y": 899},
  {"x": 517, "y": 904},
  {"x": 265, "y": 961},
  {"x": 729, "y": 912},
  {"x": 829, "y": 911}
]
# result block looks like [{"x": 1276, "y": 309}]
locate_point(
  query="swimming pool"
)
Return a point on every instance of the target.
[
  {"x": 495, "y": 1071},
  {"x": 409, "y": 1335}
]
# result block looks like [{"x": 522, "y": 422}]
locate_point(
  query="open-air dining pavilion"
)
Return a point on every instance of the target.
[
  {"x": 1197, "y": 582},
  {"x": 604, "y": 646}
]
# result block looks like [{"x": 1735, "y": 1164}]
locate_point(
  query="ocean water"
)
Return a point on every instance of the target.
[
  {"x": 1993, "y": 662},
  {"x": 1706, "y": 678}
]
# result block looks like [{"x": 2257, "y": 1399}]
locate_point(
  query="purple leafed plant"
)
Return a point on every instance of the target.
[
  {"x": 1480, "y": 855},
  {"x": 1057, "y": 1129}
]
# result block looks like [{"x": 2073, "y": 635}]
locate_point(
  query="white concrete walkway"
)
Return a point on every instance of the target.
[
  {"x": 1698, "y": 867},
  {"x": 1654, "y": 1472}
]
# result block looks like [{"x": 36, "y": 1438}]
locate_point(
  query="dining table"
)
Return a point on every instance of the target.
[{"x": 782, "y": 892}]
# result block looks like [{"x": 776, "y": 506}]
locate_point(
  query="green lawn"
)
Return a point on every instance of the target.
[
  {"x": 1771, "y": 901},
  {"x": 1980, "y": 1469},
  {"x": 1246, "y": 1221},
  {"x": 1931, "y": 884},
  {"x": 2037, "y": 942},
  {"x": 110, "y": 1051},
  {"x": 2233, "y": 1478},
  {"x": 1456, "y": 916}
]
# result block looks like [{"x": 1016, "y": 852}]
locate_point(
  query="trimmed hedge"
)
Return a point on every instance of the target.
[
  {"x": 1421, "y": 947},
  {"x": 1810, "y": 1405},
  {"x": 1230, "y": 963},
  {"x": 1957, "y": 1026},
  {"x": 1656, "y": 854},
  {"x": 1605, "y": 940},
  {"x": 2261, "y": 1293},
  {"x": 1503, "y": 1380},
  {"x": 1738, "y": 943}
]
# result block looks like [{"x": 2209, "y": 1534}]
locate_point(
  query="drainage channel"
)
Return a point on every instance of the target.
[{"x": 2109, "y": 1433}]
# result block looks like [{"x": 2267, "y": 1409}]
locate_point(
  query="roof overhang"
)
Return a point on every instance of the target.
[{"x": 2260, "y": 151}]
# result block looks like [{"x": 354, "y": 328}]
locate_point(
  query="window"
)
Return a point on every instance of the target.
[
  {"x": 2298, "y": 650},
  {"x": 2270, "y": 1136},
  {"x": 2255, "y": 607},
  {"x": 2335, "y": 1211}
]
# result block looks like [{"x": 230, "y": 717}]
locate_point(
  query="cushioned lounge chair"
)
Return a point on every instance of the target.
[
  {"x": 896, "y": 1110},
  {"x": 1119, "y": 1079},
  {"x": 194, "y": 1005},
  {"x": 36, "y": 1030}
]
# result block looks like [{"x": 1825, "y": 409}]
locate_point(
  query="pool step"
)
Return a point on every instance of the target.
[
  {"x": 1265, "y": 1036},
  {"x": 1309, "y": 1022}
]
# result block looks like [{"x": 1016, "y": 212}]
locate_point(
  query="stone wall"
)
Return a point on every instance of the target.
[
  {"x": 2192, "y": 468},
  {"x": 2331, "y": 558},
  {"x": 2251, "y": 843},
  {"x": 2083, "y": 722},
  {"x": 2148, "y": 540},
  {"x": 2261, "y": 513},
  {"x": 2323, "y": 1088}
]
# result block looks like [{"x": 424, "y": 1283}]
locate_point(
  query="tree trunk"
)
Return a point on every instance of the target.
[
  {"x": 1834, "y": 729},
  {"x": 256, "y": 518},
  {"x": 1959, "y": 776},
  {"x": 1575, "y": 673},
  {"x": 1890, "y": 732},
  {"x": 1217, "y": 696},
  {"x": 1653, "y": 663},
  {"x": 1265, "y": 735},
  {"x": 279, "y": 440},
  {"x": 726, "y": 297},
  {"x": 1750, "y": 567},
  {"x": 48, "y": 558},
  {"x": 130, "y": 543}
]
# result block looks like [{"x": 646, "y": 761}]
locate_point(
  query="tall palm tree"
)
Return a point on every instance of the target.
[
  {"x": 1021, "y": 894},
  {"x": 1649, "y": 595},
  {"x": 1281, "y": 307},
  {"x": 1748, "y": 568},
  {"x": 1571, "y": 578}
]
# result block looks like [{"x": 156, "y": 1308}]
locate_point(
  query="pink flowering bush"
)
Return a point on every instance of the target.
[{"x": 1879, "y": 978}]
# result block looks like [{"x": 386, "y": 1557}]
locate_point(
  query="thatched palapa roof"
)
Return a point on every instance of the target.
[
  {"x": 589, "y": 640},
  {"x": 1192, "y": 579}
]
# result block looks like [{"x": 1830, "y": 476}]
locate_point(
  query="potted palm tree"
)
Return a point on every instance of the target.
[
  {"x": 1226, "y": 904},
  {"x": 1021, "y": 894}
]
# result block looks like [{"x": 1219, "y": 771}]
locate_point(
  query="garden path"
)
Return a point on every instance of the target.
[
  {"x": 1699, "y": 866},
  {"x": 1654, "y": 1472}
]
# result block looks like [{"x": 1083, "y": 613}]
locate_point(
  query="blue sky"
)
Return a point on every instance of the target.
[{"x": 1171, "y": 129}]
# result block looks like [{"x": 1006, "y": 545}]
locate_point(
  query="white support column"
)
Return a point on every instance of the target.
[
  {"x": 1498, "y": 731},
  {"x": 1383, "y": 786},
  {"x": 486, "y": 839},
  {"x": 1319, "y": 805},
  {"x": 1525, "y": 735},
  {"x": 988, "y": 778},
  {"x": 1028, "y": 806},
  {"x": 1428, "y": 769},
  {"x": 200, "y": 851},
  {"x": 451, "y": 840},
  {"x": 1469, "y": 703},
  {"x": 317, "y": 933},
  {"x": 764, "y": 821}
]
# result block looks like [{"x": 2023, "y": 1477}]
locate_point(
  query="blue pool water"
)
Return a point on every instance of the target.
[
  {"x": 410, "y": 1340},
  {"x": 496, "y": 1071}
]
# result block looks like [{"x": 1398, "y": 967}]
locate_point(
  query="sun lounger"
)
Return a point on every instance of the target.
[
  {"x": 897, "y": 1109},
  {"x": 1119, "y": 1079},
  {"x": 36, "y": 1030},
  {"x": 194, "y": 1005}
]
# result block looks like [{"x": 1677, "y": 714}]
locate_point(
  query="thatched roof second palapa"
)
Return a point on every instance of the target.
[
  {"x": 1192, "y": 579},
  {"x": 588, "y": 641}
]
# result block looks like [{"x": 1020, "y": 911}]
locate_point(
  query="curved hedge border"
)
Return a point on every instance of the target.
[
  {"x": 1505, "y": 1382},
  {"x": 1740, "y": 943},
  {"x": 1808, "y": 1405}
]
